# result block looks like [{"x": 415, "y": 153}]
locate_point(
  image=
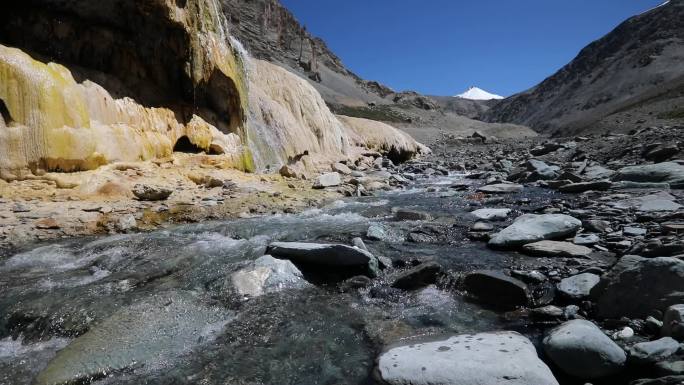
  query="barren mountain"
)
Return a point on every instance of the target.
[{"x": 633, "y": 76}]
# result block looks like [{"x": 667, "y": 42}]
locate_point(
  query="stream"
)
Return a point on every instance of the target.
[{"x": 157, "y": 308}]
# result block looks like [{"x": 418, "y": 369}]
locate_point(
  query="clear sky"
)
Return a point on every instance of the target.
[{"x": 441, "y": 47}]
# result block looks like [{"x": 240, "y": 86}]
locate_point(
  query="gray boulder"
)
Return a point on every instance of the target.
[
  {"x": 647, "y": 353},
  {"x": 330, "y": 179},
  {"x": 503, "y": 358},
  {"x": 324, "y": 254},
  {"x": 491, "y": 214},
  {"x": 673, "y": 322},
  {"x": 666, "y": 172},
  {"x": 581, "y": 349},
  {"x": 151, "y": 193},
  {"x": 403, "y": 214},
  {"x": 669, "y": 380},
  {"x": 420, "y": 276},
  {"x": 580, "y": 187},
  {"x": 267, "y": 275},
  {"x": 501, "y": 188},
  {"x": 531, "y": 228},
  {"x": 578, "y": 286},
  {"x": 636, "y": 286},
  {"x": 556, "y": 249}
]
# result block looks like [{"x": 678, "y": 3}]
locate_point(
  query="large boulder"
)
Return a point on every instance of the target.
[
  {"x": 636, "y": 286},
  {"x": 496, "y": 288},
  {"x": 531, "y": 228},
  {"x": 667, "y": 172},
  {"x": 267, "y": 275},
  {"x": 581, "y": 349},
  {"x": 503, "y": 358},
  {"x": 673, "y": 322},
  {"x": 330, "y": 179},
  {"x": 324, "y": 254}
]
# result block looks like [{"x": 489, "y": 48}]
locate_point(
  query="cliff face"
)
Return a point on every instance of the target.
[
  {"x": 270, "y": 32},
  {"x": 631, "y": 66}
]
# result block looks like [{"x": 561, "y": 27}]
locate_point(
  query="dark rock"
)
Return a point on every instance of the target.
[
  {"x": 151, "y": 193},
  {"x": 496, "y": 288},
  {"x": 420, "y": 276}
]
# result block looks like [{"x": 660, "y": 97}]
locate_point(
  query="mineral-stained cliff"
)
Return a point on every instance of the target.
[{"x": 137, "y": 80}]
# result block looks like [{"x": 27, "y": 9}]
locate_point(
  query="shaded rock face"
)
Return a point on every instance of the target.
[
  {"x": 633, "y": 64},
  {"x": 162, "y": 53}
]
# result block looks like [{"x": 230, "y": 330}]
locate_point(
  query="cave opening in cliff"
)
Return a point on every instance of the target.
[
  {"x": 4, "y": 113},
  {"x": 183, "y": 144}
]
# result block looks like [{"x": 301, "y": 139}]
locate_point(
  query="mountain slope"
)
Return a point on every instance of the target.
[{"x": 639, "y": 62}]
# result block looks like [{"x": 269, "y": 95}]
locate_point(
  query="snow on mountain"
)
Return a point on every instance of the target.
[{"x": 475, "y": 93}]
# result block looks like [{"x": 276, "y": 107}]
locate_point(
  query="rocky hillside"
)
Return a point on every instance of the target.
[
  {"x": 271, "y": 32},
  {"x": 632, "y": 77}
]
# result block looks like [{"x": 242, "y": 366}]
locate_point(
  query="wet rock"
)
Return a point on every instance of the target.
[
  {"x": 578, "y": 286},
  {"x": 496, "y": 288},
  {"x": 503, "y": 358},
  {"x": 151, "y": 193},
  {"x": 636, "y": 286},
  {"x": 482, "y": 227},
  {"x": 547, "y": 313},
  {"x": 420, "y": 276},
  {"x": 670, "y": 368},
  {"x": 581, "y": 349},
  {"x": 556, "y": 249},
  {"x": 531, "y": 228},
  {"x": 668, "y": 380},
  {"x": 341, "y": 168},
  {"x": 330, "y": 179},
  {"x": 411, "y": 215},
  {"x": 324, "y": 254},
  {"x": 601, "y": 185},
  {"x": 673, "y": 322},
  {"x": 501, "y": 188},
  {"x": 150, "y": 332},
  {"x": 667, "y": 172},
  {"x": 267, "y": 275},
  {"x": 491, "y": 214},
  {"x": 380, "y": 232},
  {"x": 646, "y": 353}
]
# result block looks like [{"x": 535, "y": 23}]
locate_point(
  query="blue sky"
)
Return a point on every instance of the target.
[{"x": 441, "y": 47}]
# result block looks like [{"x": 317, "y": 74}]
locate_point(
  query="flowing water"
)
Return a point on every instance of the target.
[{"x": 157, "y": 307}]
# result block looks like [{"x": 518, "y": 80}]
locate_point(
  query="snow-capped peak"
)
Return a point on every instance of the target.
[{"x": 475, "y": 93}]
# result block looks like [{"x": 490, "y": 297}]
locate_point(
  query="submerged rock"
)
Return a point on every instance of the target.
[
  {"x": 503, "y": 358},
  {"x": 582, "y": 350},
  {"x": 267, "y": 275},
  {"x": 532, "y": 228},
  {"x": 150, "y": 332}
]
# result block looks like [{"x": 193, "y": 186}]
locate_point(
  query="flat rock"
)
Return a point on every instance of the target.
[
  {"x": 491, "y": 214},
  {"x": 330, "y": 179},
  {"x": 403, "y": 214},
  {"x": 668, "y": 380},
  {"x": 420, "y": 276},
  {"x": 267, "y": 275},
  {"x": 600, "y": 185},
  {"x": 666, "y": 172},
  {"x": 503, "y": 358},
  {"x": 636, "y": 286},
  {"x": 586, "y": 239},
  {"x": 645, "y": 353},
  {"x": 556, "y": 249},
  {"x": 531, "y": 228},
  {"x": 581, "y": 349},
  {"x": 496, "y": 288},
  {"x": 150, "y": 332},
  {"x": 578, "y": 286},
  {"x": 501, "y": 188},
  {"x": 341, "y": 168},
  {"x": 323, "y": 254}
]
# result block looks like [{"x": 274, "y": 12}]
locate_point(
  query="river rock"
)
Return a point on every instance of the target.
[
  {"x": 501, "y": 188},
  {"x": 496, "y": 288},
  {"x": 151, "y": 193},
  {"x": 666, "y": 172},
  {"x": 411, "y": 215},
  {"x": 503, "y": 358},
  {"x": 531, "y": 228},
  {"x": 341, "y": 168},
  {"x": 600, "y": 185},
  {"x": 586, "y": 239},
  {"x": 381, "y": 232},
  {"x": 330, "y": 179},
  {"x": 636, "y": 286},
  {"x": 556, "y": 249},
  {"x": 150, "y": 332},
  {"x": 657, "y": 202},
  {"x": 670, "y": 368},
  {"x": 668, "y": 380},
  {"x": 491, "y": 214},
  {"x": 581, "y": 349},
  {"x": 578, "y": 286},
  {"x": 673, "y": 322},
  {"x": 646, "y": 353},
  {"x": 324, "y": 254},
  {"x": 541, "y": 170},
  {"x": 420, "y": 276},
  {"x": 267, "y": 275}
]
